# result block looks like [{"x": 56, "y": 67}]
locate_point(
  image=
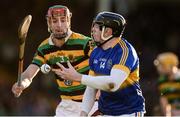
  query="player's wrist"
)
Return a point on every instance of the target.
[
  {"x": 79, "y": 77},
  {"x": 83, "y": 79},
  {"x": 76, "y": 76}
]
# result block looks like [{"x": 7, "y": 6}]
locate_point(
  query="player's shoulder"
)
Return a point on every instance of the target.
[
  {"x": 123, "y": 43},
  {"x": 125, "y": 48},
  {"x": 44, "y": 42},
  {"x": 75, "y": 35},
  {"x": 95, "y": 51}
]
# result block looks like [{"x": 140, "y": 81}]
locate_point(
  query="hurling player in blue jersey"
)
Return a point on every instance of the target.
[{"x": 114, "y": 70}]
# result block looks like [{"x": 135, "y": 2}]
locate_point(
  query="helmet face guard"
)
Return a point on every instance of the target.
[
  {"x": 55, "y": 13},
  {"x": 58, "y": 10}
]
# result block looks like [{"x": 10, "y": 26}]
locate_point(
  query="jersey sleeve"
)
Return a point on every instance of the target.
[
  {"x": 38, "y": 58},
  {"x": 127, "y": 59},
  {"x": 89, "y": 46}
]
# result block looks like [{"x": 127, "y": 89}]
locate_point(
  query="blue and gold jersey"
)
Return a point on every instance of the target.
[
  {"x": 76, "y": 50},
  {"x": 122, "y": 56}
]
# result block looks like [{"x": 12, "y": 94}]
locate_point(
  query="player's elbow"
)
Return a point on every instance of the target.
[{"x": 113, "y": 87}]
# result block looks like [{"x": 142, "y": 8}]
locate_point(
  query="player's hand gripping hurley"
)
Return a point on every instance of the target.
[{"x": 22, "y": 34}]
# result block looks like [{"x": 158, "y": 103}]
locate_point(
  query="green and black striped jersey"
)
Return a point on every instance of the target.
[
  {"x": 170, "y": 88},
  {"x": 76, "y": 50}
]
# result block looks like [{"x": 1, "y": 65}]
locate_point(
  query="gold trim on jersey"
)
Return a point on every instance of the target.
[
  {"x": 61, "y": 83},
  {"x": 132, "y": 78},
  {"x": 121, "y": 67},
  {"x": 124, "y": 54},
  {"x": 92, "y": 73},
  {"x": 89, "y": 53},
  {"x": 65, "y": 53},
  {"x": 77, "y": 97},
  {"x": 117, "y": 41}
]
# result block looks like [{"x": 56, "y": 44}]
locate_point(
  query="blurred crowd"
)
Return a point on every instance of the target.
[{"x": 153, "y": 27}]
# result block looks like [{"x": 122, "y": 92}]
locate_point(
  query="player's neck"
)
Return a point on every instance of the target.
[
  {"x": 58, "y": 42},
  {"x": 109, "y": 43}
]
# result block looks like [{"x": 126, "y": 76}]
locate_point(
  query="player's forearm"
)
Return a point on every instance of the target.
[
  {"x": 26, "y": 82},
  {"x": 107, "y": 83},
  {"x": 28, "y": 75},
  {"x": 88, "y": 99},
  {"x": 163, "y": 104},
  {"x": 26, "y": 79},
  {"x": 99, "y": 82}
]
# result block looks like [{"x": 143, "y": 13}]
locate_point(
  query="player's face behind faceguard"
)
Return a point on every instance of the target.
[
  {"x": 96, "y": 34},
  {"x": 107, "y": 21},
  {"x": 59, "y": 21}
]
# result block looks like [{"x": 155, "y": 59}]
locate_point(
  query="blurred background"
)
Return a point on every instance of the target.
[{"x": 153, "y": 27}]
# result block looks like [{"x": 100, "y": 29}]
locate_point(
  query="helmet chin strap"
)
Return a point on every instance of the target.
[
  {"x": 58, "y": 36},
  {"x": 106, "y": 39}
]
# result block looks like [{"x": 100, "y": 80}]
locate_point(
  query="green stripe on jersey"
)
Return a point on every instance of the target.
[
  {"x": 78, "y": 41},
  {"x": 60, "y": 59},
  {"x": 84, "y": 69},
  {"x": 37, "y": 62},
  {"x": 72, "y": 88},
  {"x": 162, "y": 79},
  {"x": 78, "y": 58},
  {"x": 45, "y": 46}
]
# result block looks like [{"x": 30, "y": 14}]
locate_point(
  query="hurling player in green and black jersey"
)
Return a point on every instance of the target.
[
  {"x": 63, "y": 45},
  {"x": 168, "y": 83}
]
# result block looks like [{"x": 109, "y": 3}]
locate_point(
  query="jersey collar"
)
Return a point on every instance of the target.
[{"x": 115, "y": 42}]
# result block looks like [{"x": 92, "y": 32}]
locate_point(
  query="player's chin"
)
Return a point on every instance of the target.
[
  {"x": 96, "y": 38},
  {"x": 59, "y": 35}
]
